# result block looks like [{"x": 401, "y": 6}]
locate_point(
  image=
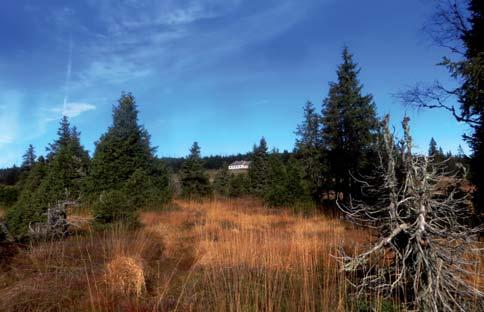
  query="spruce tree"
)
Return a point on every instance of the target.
[
  {"x": 193, "y": 178},
  {"x": 470, "y": 94},
  {"x": 309, "y": 150},
  {"x": 349, "y": 128},
  {"x": 67, "y": 171},
  {"x": 124, "y": 163},
  {"x": 239, "y": 185},
  {"x": 8, "y": 196},
  {"x": 58, "y": 179},
  {"x": 63, "y": 138},
  {"x": 28, "y": 207},
  {"x": 286, "y": 186},
  {"x": 221, "y": 183},
  {"x": 297, "y": 189},
  {"x": 460, "y": 152},
  {"x": 29, "y": 158},
  {"x": 259, "y": 169},
  {"x": 436, "y": 151},
  {"x": 162, "y": 191},
  {"x": 462, "y": 33},
  {"x": 122, "y": 150},
  {"x": 67, "y": 167},
  {"x": 276, "y": 193},
  {"x": 433, "y": 150}
]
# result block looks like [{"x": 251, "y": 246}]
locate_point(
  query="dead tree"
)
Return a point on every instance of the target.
[
  {"x": 433, "y": 255},
  {"x": 56, "y": 225},
  {"x": 5, "y": 234}
]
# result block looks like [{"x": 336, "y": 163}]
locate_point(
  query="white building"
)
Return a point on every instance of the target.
[{"x": 239, "y": 165}]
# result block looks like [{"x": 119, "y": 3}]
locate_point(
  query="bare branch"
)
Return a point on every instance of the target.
[
  {"x": 434, "y": 96},
  {"x": 448, "y": 25},
  {"x": 434, "y": 253}
]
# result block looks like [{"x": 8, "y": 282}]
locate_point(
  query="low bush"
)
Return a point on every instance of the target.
[
  {"x": 115, "y": 206},
  {"x": 8, "y": 195}
]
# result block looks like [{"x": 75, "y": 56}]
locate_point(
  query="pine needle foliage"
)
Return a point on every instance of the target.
[
  {"x": 349, "y": 127},
  {"x": 194, "y": 180},
  {"x": 124, "y": 165}
]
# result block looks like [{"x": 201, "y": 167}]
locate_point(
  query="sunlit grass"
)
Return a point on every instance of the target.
[{"x": 223, "y": 255}]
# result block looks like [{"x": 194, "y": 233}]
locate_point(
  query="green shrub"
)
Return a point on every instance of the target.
[
  {"x": 30, "y": 206},
  {"x": 239, "y": 185},
  {"x": 194, "y": 181},
  {"x": 115, "y": 206},
  {"x": 277, "y": 196},
  {"x": 8, "y": 195},
  {"x": 147, "y": 190},
  {"x": 221, "y": 183}
]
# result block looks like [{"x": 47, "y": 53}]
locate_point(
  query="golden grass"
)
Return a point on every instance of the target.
[
  {"x": 126, "y": 275},
  {"x": 224, "y": 255}
]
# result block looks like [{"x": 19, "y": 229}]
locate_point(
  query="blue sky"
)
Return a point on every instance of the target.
[{"x": 222, "y": 72}]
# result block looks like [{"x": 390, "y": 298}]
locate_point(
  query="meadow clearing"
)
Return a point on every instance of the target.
[{"x": 220, "y": 255}]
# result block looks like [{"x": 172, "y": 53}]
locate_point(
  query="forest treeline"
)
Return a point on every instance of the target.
[{"x": 336, "y": 145}]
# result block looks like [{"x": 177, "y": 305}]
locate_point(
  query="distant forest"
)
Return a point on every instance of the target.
[
  {"x": 338, "y": 145},
  {"x": 216, "y": 162},
  {"x": 11, "y": 175}
]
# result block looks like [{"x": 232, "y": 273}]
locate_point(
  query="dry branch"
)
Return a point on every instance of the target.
[{"x": 424, "y": 228}]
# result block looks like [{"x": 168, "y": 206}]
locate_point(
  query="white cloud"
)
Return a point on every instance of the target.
[
  {"x": 187, "y": 15},
  {"x": 74, "y": 109},
  {"x": 121, "y": 16},
  {"x": 5, "y": 139},
  {"x": 145, "y": 39},
  {"x": 112, "y": 70}
]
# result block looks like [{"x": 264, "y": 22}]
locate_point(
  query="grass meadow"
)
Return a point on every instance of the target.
[{"x": 220, "y": 255}]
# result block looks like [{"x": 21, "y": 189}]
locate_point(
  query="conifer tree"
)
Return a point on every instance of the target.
[
  {"x": 259, "y": 169},
  {"x": 8, "y": 195},
  {"x": 462, "y": 32},
  {"x": 349, "y": 127},
  {"x": 471, "y": 93},
  {"x": 437, "y": 152},
  {"x": 432, "y": 147},
  {"x": 194, "y": 180},
  {"x": 27, "y": 209},
  {"x": 239, "y": 185},
  {"x": 441, "y": 154},
  {"x": 309, "y": 150},
  {"x": 124, "y": 163},
  {"x": 221, "y": 183},
  {"x": 58, "y": 179},
  {"x": 29, "y": 158},
  {"x": 460, "y": 152},
  {"x": 276, "y": 194},
  {"x": 296, "y": 188},
  {"x": 286, "y": 185},
  {"x": 122, "y": 150},
  {"x": 63, "y": 137},
  {"x": 68, "y": 165},
  {"x": 162, "y": 191}
]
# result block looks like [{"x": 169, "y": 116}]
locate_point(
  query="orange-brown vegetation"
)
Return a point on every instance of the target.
[{"x": 223, "y": 255}]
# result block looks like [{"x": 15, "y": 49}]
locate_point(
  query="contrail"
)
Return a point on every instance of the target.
[{"x": 68, "y": 76}]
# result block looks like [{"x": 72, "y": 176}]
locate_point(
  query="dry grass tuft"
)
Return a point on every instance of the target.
[{"x": 125, "y": 275}]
